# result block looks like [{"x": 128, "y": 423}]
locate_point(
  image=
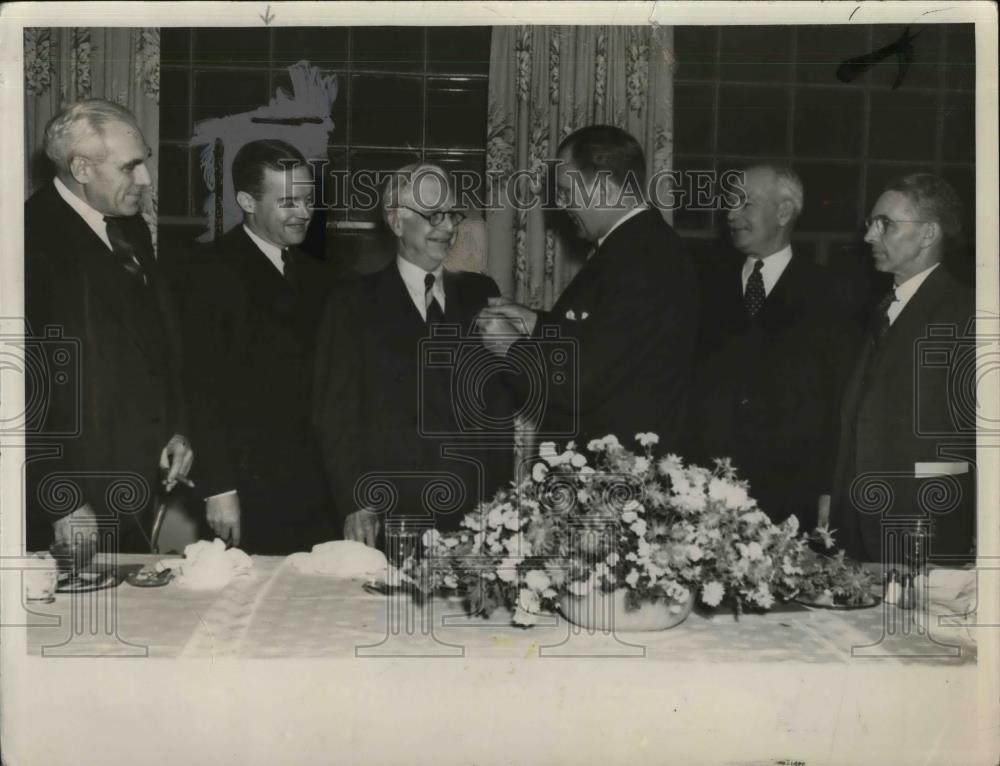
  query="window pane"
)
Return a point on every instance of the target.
[
  {"x": 394, "y": 48},
  {"x": 828, "y": 123},
  {"x": 338, "y": 111},
  {"x": 467, "y": 171},
  {"x": 686, "y": 217},
  {"x": 821, "y": 49},
  {"x": 336, "y": 189},
  {"x": 386, "y": 110},
  {"x": 959, "y": 128},
  {"x": 695, "y": 49},
  {"x": 925, "y": 70},
  {"x": 960, "y": 60},
  {"x": 831, "y": 197},
  {"x": 323, "y": 47},
  {"x": 694, "y": 118},
  {"x": 756, "y": 54},
  {"x": 172, "y": 189},
  {"x": 456, "y": 114},
  {"x": 175, "y": 98},
  {"x": 903, "y": 125},
  {"x": 175, "y": 46},
  {"x": 462, "y": 50},
  {"x": 752, "y": 120},
  {"x": 220, "y": 93},
  {"x": 231, "y": 47}
]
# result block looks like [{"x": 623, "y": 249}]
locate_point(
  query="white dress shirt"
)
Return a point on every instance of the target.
[
  {"x": 413, "y": 278},
  {"x": 629, "y": 215},
  {"x": 906, "y": 291},
  {"x": 272, "y": 251},
  {"x": 93, "y": 218},
  {"x": 774, "y": 266}
]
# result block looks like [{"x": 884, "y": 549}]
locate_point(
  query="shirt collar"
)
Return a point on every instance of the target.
[
  {"x": 413, "y": 278},
  {"x": 773, "y": 267},
  {"x": 269, "y": 249},
  {"x": 629, "y": 215},
  {"x": 92, "y": 217},
  {"x": 906, "y": 290}
]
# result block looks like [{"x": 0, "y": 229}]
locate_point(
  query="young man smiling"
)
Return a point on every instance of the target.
[{"x": 253, "y": 311}]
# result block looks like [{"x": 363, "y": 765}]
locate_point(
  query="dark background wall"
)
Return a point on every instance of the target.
[{"x": 740, "y": 93}]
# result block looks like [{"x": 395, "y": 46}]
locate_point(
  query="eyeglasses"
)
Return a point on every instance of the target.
[
  {"x": 882, "y": 222},
  {"x": 437, "y": 217}
]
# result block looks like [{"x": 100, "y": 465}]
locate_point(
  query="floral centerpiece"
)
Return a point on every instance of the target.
[{"x": 654, "y": 529}]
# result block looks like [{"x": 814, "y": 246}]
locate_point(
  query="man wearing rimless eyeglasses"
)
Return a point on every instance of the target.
[
  {"x": 383, "y": 410},
  {"x": 908, "y": 416}
]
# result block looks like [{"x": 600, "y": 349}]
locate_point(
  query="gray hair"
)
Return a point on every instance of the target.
[
  {"x": 788, "y": 183},
  {"x": 80, "y": 123},
  {"x": 401, "y": 181}
]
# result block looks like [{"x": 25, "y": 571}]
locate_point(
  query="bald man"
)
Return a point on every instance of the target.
[{"x": 385, "y": 401}]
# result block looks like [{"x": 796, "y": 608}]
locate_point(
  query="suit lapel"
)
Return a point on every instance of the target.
[{"x": 113, "y": 288}]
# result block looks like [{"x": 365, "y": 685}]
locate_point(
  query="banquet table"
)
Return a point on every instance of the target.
[{"x": 281, "y": 666}]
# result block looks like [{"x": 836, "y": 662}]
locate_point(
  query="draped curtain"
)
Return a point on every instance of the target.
[
  {"x": 65, "y": 64},
  {"x": 545, "y": 82}
]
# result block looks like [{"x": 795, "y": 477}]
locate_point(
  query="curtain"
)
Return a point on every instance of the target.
[
  {"x": 546, "y": 82},
  {"x": 65, "y": 64}
]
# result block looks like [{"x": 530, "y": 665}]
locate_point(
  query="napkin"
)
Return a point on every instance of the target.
[
  {"x": 341, "y": 558},
  {"x": 210, "y": 565}
]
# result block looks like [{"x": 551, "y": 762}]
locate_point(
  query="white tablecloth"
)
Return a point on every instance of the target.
[{"x": 814, "y": 686}]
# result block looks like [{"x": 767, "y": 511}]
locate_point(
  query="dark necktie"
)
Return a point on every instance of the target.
[
  {"x": 286, "y": 263},
  {"x": 123, "y": 249},
  {"x": 755, "y": 295},
  {"x": 882, "y": 317},
  {"x": 434, "y": 312}
]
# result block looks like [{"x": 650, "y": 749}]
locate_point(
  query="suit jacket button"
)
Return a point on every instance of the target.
[{"x": 744, "y": 402}]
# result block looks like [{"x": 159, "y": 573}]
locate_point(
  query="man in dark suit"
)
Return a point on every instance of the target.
[
  {"x": 403, "y": 428},
  {"x": 908, "y": 418},
  {"x": 91, "y": 276},
  {"x": 255, "y": 302},
  {"x": 772, "y": 353},
  {"x": 631, "y": 312}
]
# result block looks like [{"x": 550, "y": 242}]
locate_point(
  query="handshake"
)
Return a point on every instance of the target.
[{"x": 502, "y": 322}]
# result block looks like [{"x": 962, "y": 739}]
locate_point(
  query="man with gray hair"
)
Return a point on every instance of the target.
[
  {"x": 909, "y": 415},
  {"x": 92, "y": 279},
  {"x": 771, "y": 356},
  {"x": 393, "y": 397}
]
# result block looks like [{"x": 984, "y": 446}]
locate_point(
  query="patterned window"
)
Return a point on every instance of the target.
[
  {"x": 405, "y": 94},
  {"x": 773, "y": 92}
]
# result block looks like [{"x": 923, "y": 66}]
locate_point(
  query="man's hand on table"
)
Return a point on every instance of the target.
[
  {"x": 223, "y": 515},
  {"x": 362, "y": 526},
  {"x": 81, "y": 521}
]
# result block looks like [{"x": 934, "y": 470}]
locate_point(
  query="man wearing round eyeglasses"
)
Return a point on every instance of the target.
[
  {"x": 908, "y": 415},
  {"x": 390, "y": 388}
]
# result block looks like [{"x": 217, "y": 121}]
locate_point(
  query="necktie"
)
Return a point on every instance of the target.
[
  {"x": 755, "y": 295},
  {"x": 286, "y": 262},
  {"x": 123, "y": 249},
  {"x": 882, "y": 317},
  {"x": 434, "y": 312}
]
